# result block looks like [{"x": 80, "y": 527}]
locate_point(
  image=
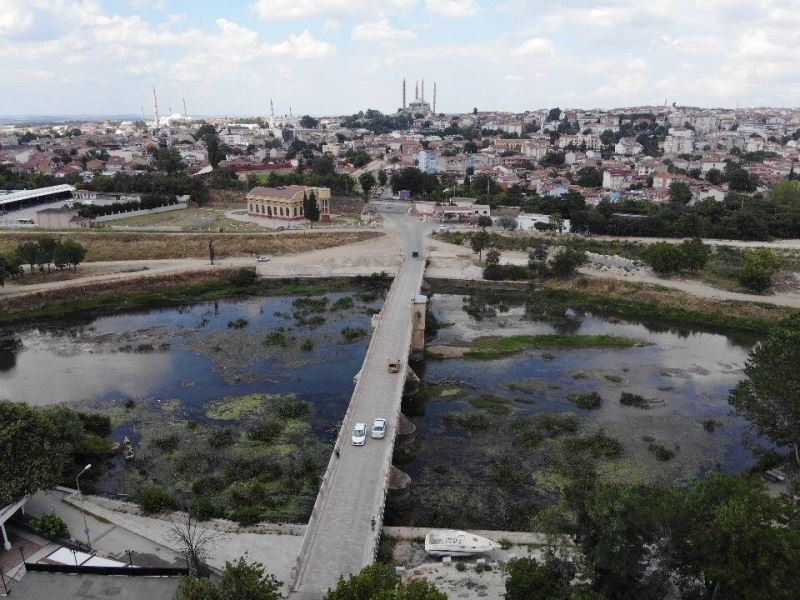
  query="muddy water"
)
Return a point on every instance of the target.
[
  {"x": 484, "y": 479},
  {"x": 190, "y": 354}
]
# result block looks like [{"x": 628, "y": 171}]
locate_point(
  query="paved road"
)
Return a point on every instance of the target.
[{"x": 340, "y": 538}]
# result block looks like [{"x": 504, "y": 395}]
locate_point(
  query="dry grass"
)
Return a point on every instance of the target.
[
  {"x": 153, "y": 246},
  {"x": 645, "y": 294},
  {"x": 154, "y": 284}
]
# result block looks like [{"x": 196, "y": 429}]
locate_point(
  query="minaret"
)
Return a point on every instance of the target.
[
  {"x": 185, "y": 115},
  {"x": 404, "y": 93},
  {"x": 155, "y": 108},
  {"x": 422, "y": 99},
  {"x": 416, "y": 90},
  {"x": 434, "y": 97},
  {"x": 143, "y": 121}
]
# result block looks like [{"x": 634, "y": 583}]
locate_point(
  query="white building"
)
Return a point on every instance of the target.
[
  {"x": 428, "y": 161},
  {"x": 617, "y": 179},
  {"x": 527, "y": 222}
]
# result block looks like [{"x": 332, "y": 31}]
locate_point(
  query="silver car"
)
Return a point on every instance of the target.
[
  {"x": 379, "y": 429},
  {"x": 359, "y": 434}
]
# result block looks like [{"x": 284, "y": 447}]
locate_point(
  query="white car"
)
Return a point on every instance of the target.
[
  {"x": 379, "y": 429},
  {"x": 443, "y": 229},
  {"x": 263, "y": 258},
  {"x": 359, "y": 434}
]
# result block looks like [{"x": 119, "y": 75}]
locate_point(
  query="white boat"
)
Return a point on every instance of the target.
[{"x": 447, "y": 542}]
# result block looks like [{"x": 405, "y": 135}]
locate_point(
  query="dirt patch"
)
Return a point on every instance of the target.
[{"x": 154, "y": 246}]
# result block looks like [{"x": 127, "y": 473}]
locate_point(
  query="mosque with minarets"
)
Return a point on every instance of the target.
[{"x": 418, "y": 105}]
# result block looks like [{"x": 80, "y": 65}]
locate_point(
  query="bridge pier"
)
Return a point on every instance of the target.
[{"x": 398, "y": 487}]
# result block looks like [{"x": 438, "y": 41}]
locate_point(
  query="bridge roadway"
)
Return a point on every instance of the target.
[{"x": 340, "y": 538}]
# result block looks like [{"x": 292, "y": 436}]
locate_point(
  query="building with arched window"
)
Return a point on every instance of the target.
[{"x": 286, "y": 203}]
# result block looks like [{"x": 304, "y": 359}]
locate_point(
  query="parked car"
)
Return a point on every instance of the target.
[
  {"x": 359, "y": 434},
  {"x": 379, "y": 429},
  {"x": 444, "y": 228},
  {"x": 263, "y": 258}
]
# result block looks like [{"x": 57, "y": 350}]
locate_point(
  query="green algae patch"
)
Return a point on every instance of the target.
[
  {"x": 491, "y": 347},
  {"x": 233, "y": 408}
]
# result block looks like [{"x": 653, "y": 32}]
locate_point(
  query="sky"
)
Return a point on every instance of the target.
[{"x": 330, "y": 57}]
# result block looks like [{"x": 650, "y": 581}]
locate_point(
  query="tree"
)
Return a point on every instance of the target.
[
  {"x": 665, "y": 258},
  {"x": 382, "y": 178},
  {"x": 507, "y": 223},
  {"x": 32, "y": 454},
  {"x": 484, "y": 221},
  {"x": 785, "y": 193},
  {"x": 715, "y": 177},
  {"x": 308, "y": 122},
  {"x": 730, "y": 539},
  {"x": 608, "y": 137},
  {"x": 478, "y": 242},
  {"x": 381, "y": 582},
  {"x": 311, "y": 208},
  {"x": 195, "y": 541},
  {"x": 680, "y": 192},
  {"x": 470, "y": 147},
  {"x": 770, "y": 396},
  {"x": 10, "y": 266},
  {"x": 566, "y": 262},
  {"x": 590, "y": 177},
  {"x": 215, "y": 156},
  {"x": 554, "y": 114},
  {"x": 492, "y": 257},
  {"x": 241, "y": 580},
  {"x": 695, "y": 253},
  {"x": 71, "y": 252},
  {"x": 556, "y": 222},
  {"x": 529, "y": 579},
  {"x": 29, "y": 253},
  {"x": 204, "y": 130},
  {"x": 367, "y": 182},
  {"x": 758, "y": 267},
  {"x": 169, "y": 160}
]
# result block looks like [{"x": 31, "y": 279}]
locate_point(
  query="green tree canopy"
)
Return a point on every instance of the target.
[
  {"x": 665, "y": 258},
  {"x": 241, "y": 580},
  {"x": 308, "y": 122},
  {"x": 367, "y": 182},
  {"x": 381, "y": 582},
  {"x": 680, "y": 192},
  {"x": 770, "y": 396},
  {"x": 32, "y": 454}
]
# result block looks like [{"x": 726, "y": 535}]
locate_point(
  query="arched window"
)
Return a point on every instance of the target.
[{"x": 269, "y": 211}]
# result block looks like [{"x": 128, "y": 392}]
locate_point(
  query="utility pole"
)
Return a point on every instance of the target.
[
  {"x": 78, "y": 485},
  {"x": 404, "y": 93},
  {"x": 434, "y": 97}
]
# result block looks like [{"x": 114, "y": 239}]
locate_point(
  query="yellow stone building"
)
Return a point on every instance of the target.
[{"x": 286, "y": 203}]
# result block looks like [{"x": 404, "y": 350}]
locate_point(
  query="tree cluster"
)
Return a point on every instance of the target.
[
  {"x": 178, "y": 184},
  {"x": 46, "y": 251},
  {"x": 147, "y": 202}
]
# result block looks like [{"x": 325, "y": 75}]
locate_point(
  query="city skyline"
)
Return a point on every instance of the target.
[{"x": 329, "y": 57}]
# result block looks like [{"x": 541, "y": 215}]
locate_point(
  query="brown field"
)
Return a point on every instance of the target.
[{"x": 153, "y": 246}]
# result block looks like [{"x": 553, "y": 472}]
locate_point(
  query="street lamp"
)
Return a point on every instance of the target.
[{"x": 78, "y": 485}]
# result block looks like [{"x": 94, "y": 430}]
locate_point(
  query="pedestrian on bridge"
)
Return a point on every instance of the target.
[{"x": 373, "y": 523}]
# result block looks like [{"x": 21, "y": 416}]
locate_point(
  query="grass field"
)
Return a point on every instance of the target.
[
  {"x": 103, "y": 246},
  {"x": 498, "y": 347}
]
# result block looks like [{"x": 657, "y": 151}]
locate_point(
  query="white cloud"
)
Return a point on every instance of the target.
[
  {"x": 15, "y": 17},
  {"x": 512, "y": 77},
  {"x": 331, "y": 26},
  {"x": 303, "y": 9},
  {"x": 534, "y": 47},
  {"x": 453, "y": 8},
  {"x": 382, "y": 32}
]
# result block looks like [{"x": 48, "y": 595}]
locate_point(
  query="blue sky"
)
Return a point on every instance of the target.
[{"x": 339, "y": 56}]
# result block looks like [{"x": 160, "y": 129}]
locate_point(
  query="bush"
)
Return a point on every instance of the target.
[
  {"x": 665, "y": 258},
  {"x": 494, "y": 272},
  {"x": 219, "y": 438},
  {"x": 352, "y": 334},
  {"x": 50, "y": 526},
  {"x": 244, "y": 277},
  {"x": 307, "y": 345},
  {"x": 566, "y": 261},
  {"x": 629, "y": 399},
  {"x": 266, "y": 431},
  {"x": 95, "y": 423},
  {"x": 598, "y": 445},
  {"x": 662, "y": 453},
  {"x": 278, "y": 337},
  {"x": 758, "y": 267},
  {"x": 558, "y": 424},
  {"x": 155, "y": 499},
  {"x": 711, "y": 425},
  {"x": 696, "y": 253},
  {"x": 586, "y": 401},
  {"x": 238, "y": 324}
]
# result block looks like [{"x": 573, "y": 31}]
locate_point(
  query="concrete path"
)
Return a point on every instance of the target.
[{"x": 341, "y": 539}]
